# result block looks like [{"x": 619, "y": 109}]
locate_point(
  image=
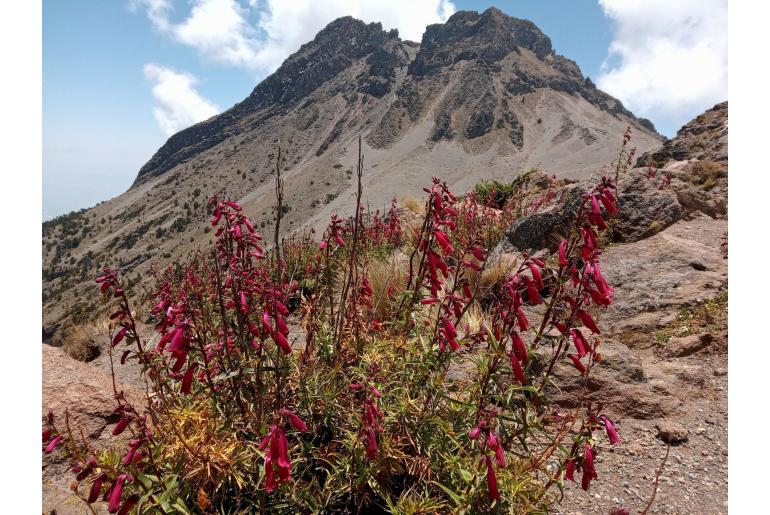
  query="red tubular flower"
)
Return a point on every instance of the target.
[
  {"x": 449, "y": 328},
  {"x": 612, "y": 432},
  {"x": 270, "y": 481},
  {"x": 580, "y": 342},
  {"x": 129, "y": 504},
  {"x": 601, "y": 283},
  {"x": 116, "y": 493},
  {"x": 281, "y": 323},
  {"x": 121, "y": 426},
  {"x": 536, "y": 275},
  {"x": 494, "y": 493},
  {"x": 569, "y": 472},
  {"x": 266, "y": 321},
  {"x": 517, "y": 370},
  {"x": 282, "y": 342},
  {"x": 177, "y": 339},
  {"x": 96, "y": 489},
  {"x": 52, "y": 445},
  {"x": 119, "y": 336},
  {"x": 128, "y": 457},
  {"x": 589, "y": 472},
  {"x": 588, "y": 321},
  {"x": 474, "y": 433},
  {"x": 187, "y": 379},
  {"x": 532, "y": 294},
  {"x": 181, "y": 358},
  {"x": 578, "y": 364},
  {"x": 281, "y": 307},
  {"x": 282, "y": 447},
  {"x": 519, "y": 348},
  {"x": 500, "y": 456},
  {"x": 470, "y": 264},
  {"x": 297, "y": 422},
  {"x": 46, "y": 435},
  {"x": 522, "y": 320},
  {"x": 370, "y": 443},
  {"x": 478, "y": 253},
  {"x": 608, "y": 199},
  {"x": 248, "y": 224},
  {"x": 443, "y": 241},
  {"x": 425, "y": 301}
]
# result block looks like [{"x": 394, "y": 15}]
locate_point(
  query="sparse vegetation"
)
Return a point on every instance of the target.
[{"x": 709, "y": 315}]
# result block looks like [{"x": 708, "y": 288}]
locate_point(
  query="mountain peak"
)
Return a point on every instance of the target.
[
  {"x": 475, "y": 75},
  {"x": 469, "y": 35}
]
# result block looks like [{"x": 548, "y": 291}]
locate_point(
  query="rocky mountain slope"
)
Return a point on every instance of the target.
[{"x": 481, "y": 96}]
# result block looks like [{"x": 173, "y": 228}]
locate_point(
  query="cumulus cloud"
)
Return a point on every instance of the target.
[
  {"x": 259, "y": 35},
  {"x": 178, "y": 105},
  {"x": 667, "y": 60}
]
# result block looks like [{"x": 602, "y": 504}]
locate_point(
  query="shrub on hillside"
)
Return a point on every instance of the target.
[{"x": 288, "y": 380}]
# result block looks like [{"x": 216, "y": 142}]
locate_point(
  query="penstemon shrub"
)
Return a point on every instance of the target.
[{"x": 280, "y": 381}]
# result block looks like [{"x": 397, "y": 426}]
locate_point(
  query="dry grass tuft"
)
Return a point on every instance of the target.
[
  {"x": 491, "y": 277},
  {"x": 706, "y": 173},
  {"x": 413, "y": 204},
  {"x": 81, "y": 341},
  {"x": 474, "y": 319},
  {"x": 389, "y": 273}
]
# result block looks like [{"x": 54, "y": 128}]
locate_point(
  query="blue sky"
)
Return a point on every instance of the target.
[{"x": 119, "y": 76}]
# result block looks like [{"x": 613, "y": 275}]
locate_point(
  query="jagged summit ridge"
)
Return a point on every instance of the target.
[
  {"x": 468, "y": 35},
  {"x": 494, "y": 55}
]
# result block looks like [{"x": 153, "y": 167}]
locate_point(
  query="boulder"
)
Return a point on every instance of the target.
[
  {"x": 618, "y": 382},
  {"x": 546, "y": 228},
  {"x": 85, "y": 393},
  {"x": 687, "y": 345},
  {"x": 672, "y": 432},
  {"x": 656, "y": 277},
  {"x": 712, "y": 203},
  {"x": 644, "y": 210}
]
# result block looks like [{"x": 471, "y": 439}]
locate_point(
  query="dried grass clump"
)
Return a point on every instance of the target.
[
  {"x": 706, "y": 173},
  {"x": 490, "y": 278},
  {"x": 413, "y": 204},
  {"x": 81, "y": 341},
  {"x": 387, "y": 278}
]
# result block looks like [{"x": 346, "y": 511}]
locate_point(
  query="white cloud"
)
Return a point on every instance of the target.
[
  {"x": 178, "y": 104},
  {"x": 668, "y": 59},
  {"x": 259, "y": 35}
]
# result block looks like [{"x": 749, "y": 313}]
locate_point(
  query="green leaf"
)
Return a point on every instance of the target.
[{"x": 456, "y": 498}]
